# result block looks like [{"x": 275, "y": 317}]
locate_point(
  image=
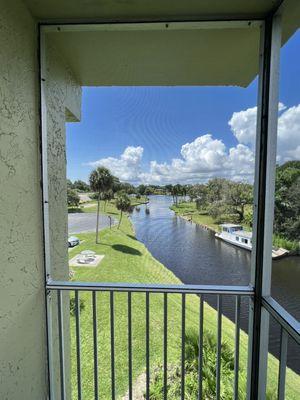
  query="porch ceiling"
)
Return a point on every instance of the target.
[
  {"x": 145, "y": 9},
  {"x": 164, "y": 56},
  {"x": 161, "y": 57}
]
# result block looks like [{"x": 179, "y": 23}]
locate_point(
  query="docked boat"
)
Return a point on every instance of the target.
[{"x": 237, "y": 236}]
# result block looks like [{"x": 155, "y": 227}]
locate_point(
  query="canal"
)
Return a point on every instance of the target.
[{"x": 196, "y": 257}]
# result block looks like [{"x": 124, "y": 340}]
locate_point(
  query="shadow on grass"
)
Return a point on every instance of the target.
[
  {"x": 126, "y": 249},
  {"x": 131, "y": 236},
  {"x": 75, "y": 210}
]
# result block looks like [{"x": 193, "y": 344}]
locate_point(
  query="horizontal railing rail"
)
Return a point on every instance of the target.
[
  {"x": 151, "y": 288},
  {"x": 286, "y": 320}
]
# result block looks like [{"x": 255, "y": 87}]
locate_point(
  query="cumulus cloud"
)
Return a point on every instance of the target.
[
  {"x": 127, "y": 167},
  {"x": 288, "y": 144},
  {"x": 207, "y": 157},
  {"x": 202, "y": 159},
  {"x": 243, "y": 126}
]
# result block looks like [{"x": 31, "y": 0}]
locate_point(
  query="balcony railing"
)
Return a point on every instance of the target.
[{"x": 145, "y": 296}]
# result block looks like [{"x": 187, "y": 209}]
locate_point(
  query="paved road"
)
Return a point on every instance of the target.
[{"x": 85, "y": 222}]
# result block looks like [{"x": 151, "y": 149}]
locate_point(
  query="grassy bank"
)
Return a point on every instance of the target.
[
  {"x": 106, "y": 208},
  {"x": 128, "y": 260},
  {"x": 189, "y": 211}
]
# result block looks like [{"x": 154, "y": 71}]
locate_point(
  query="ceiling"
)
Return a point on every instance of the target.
[
  {"x": 161, "y": 57},
  {"x": 168, "y": 54},
  {"x": 148, "y": 9}
]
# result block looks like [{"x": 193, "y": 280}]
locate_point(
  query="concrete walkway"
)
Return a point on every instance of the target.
[{"x": 86, "y": 222}]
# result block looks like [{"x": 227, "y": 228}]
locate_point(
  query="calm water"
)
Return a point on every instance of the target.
[{"x": 196, "y": 257}]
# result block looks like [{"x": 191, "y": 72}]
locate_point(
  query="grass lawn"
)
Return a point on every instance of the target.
[
  {"x": 128, "y": 260},
  {"x": 188, "y": 210},
  {"x": 109, "y": 208}
]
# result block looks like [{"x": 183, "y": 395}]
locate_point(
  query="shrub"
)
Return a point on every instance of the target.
[
  {"x": 73, "y": 306},
  {"x": 191, "y": 371}
]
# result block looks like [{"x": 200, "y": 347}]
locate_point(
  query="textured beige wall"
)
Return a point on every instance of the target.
[
  {"x": 23, "y": 367},
  {"x": 22, "y": 308},
  {"x": 63, "y": 102}
]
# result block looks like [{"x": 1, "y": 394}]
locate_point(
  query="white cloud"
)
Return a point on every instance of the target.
[
  {"x": 127, "y": 167},
  {"x": 243, "y": 124},
  {"x": 288, "y": 144},
  {"x": 206, "y": 157}
]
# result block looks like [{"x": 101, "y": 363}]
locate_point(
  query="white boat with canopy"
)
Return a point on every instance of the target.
[{"x": 236, "y": 235}]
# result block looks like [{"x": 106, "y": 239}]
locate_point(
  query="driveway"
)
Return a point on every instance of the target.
[{"x": 86, "y": 222}]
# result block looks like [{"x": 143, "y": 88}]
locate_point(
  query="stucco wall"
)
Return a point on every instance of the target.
[
  {"x": 63, "y": 101},
  {"x": 23, "y": 366},
  {"x": 22, "y": 310}
]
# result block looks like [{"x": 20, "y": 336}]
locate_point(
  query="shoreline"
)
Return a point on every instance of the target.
[{"x": 189, "y": 218}]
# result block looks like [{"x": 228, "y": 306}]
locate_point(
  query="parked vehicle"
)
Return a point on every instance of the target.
[{"x": 73, "y": 241}]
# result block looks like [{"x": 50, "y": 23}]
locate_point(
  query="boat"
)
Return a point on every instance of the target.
[{"x": 237, "y": 236}]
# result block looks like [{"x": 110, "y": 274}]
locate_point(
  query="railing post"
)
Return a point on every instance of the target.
[{"x": 264, "y": 187}]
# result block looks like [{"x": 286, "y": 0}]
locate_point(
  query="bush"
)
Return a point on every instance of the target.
[
  {"x": 279, "y": 241},
  {"x": 73, "y": 306},
  {"x": 94, "y": 196},
  {"x": 191, "y": 371},
  {"x": 72, "y": 198}
]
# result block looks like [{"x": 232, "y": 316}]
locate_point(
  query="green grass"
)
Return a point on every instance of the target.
[
  {"x": 128, "y": 260},
  {"x": 109, "y": 208},
  {"x": 285, "y": 243},
  {"x": 189, "y": 211}
]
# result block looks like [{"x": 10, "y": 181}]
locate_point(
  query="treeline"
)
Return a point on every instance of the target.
[
  {"x": 218, "y": 197},
  {"x": 83, "y": 187},
  {"x": 223, "y": 199},
  {"x": 287, "y": 201},
  {"x": 227, "y": 200},
  {"x": 79, "y": 186}
]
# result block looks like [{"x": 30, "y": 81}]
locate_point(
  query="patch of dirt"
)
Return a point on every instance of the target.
[{"x": 138, "y": 389}]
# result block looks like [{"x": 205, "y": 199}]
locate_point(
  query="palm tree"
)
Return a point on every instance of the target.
[
  {"x": 101, "y": 180},
  {"x": 123, "y": 204},
  {"x": 107, "y": 196}
]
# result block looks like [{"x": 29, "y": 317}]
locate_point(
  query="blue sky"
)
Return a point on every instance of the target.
[{"x": 153, "y": 123}]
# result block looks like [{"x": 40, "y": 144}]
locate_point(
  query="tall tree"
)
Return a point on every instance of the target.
[
  {"x": 238, "y": 195},
  {"x": 177, "y": 191},
  {"x": 287, "y": 201},
  {"x": 123, "y": 204},
  {"x": 69, "y": 184},
  {"x": 101, "y": 180},
  {"x": 107, "y": 196},
  {"x": 141, "y": 189},
  {"x": 216, "y": 189}
]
